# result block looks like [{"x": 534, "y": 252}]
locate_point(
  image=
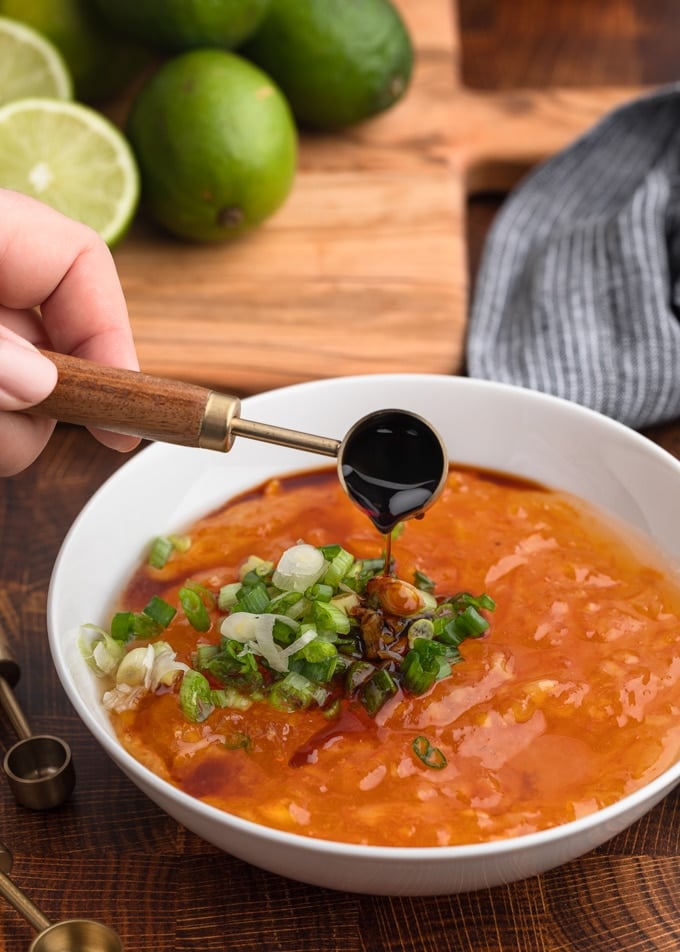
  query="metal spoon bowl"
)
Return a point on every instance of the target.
[
  {"x": 69, "y": 935},
  {"x": 39, "y": 767}
]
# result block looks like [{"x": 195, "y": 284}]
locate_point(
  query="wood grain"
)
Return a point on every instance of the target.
[
  {"x": 364, "y": 270},
  {"x": 125, "y": 401}
]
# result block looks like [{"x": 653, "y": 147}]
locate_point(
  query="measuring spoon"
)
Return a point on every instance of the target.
[
  {"x": 70, "y": 935},
  {"x": 392, "y": 463},
  {"x": 39, "y": 767}
]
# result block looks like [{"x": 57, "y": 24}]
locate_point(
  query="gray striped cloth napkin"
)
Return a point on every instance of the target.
[{"x": 578, "y": 292}]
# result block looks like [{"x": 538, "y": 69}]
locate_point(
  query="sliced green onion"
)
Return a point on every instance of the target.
[
  {"x": 239, "y": 626},
  {"x": 420, "y": 628},
  {"x": 194, "y": 609},
  {"x": 254, "y": 599},
  {"x": 101, "y": 652},
  {"x": 121, "y": 626},
  {"x": 258, "y": 566},
  {"x": 377, "y": 690},
  {"x": 161, "y": 550},
  {"x": 228, "y": 596},
  {"x": 319, "y": 592},
  {"x": 357, "y": 673},
  {"x": 160, "y": 610},
  {"x": 423, "y": 582},
  {"x": 317, "y": 650},
  {"x": 346, "y": 602},
  {"x": 127, "y": 625},
  {"x": 296, "y": 692},
  {"x": 231, "y": 698},
  {"x": 431, "y": 756},
  {"x": 419, "y": 672},
  {"x": 283, "y": 633},
  {"x": 329, "y": 618},
  {"x": 205, "y": 654},
  {"x": 469, "y": 624},
  {"x": 299, "y": 567},
  {"x": 206, "y": 594},
  {"x": 195, "y": 696},
  {"x": 293, "y": 604},
  {"x": 135, "y": 665},
  {"x": 361, "y": 572},
  {"x": 230, "y": 662},
  {"x": 238, "y": 741},
  {"x": 340, "y": 564},
  {"x": 321, "y": 672}
]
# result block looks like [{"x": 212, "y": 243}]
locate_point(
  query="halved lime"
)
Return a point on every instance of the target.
[
  {"x": 72, "y": 158},
  {"x": 30, "y": 65}
]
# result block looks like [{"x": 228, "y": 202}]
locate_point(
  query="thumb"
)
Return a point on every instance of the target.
[{"x": 26, "y": 377}]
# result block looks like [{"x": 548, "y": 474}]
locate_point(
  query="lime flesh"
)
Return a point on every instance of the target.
[
  {"x": 30, "y": 65},
  {"x": 68, "y": 156}
]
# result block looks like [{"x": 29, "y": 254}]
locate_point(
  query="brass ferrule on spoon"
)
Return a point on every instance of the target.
[{"x": 160, "y": 409}]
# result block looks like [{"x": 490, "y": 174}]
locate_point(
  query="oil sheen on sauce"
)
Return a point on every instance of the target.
[{"x": 569, "y": 702}]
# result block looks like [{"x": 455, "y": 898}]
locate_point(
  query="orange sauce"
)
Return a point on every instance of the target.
[{"x": 570, "y": 701}]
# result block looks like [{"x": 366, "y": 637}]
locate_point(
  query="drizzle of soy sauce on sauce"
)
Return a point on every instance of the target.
[{"x": 393, "y": 467}]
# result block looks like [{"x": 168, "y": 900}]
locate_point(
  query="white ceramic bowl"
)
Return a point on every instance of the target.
[{"x": 484, "y": 424}]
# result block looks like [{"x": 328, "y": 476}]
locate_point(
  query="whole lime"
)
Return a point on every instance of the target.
[
  {"x": 175, "y": 25},
  {"x": 101, "y": 64},
  {"x": 337, "y": 61},
  {"x": 216, "y": 145}
]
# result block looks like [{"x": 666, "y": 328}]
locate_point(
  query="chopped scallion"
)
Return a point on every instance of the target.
[
  {"x": 341, "y": 562},
  {"x": 195, "y": 696},
  {"x": 161, "y": 550},
  {"x": 160, "y": 610},
  {"x": 377, "y": 690},
  {"x": 194, "y": 609},
  {"x": 429, "y": 755}
]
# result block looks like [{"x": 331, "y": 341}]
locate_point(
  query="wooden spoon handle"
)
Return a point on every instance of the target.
[{"x": 138, "y": 404}]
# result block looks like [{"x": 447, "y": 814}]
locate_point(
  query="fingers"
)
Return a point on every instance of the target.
[
  {"x": 62, "y": 267},
  {"x": 22, "y": 439},
  {"x": 26, "y": 377}
]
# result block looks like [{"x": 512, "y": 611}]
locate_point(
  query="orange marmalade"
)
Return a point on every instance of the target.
[{"x": 569, "y": 701}]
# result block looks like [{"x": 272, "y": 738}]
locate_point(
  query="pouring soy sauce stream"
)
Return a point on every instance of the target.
[{"x": 392, "y": 463}]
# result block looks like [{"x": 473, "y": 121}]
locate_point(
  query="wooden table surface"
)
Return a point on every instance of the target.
[{"x": 111, "y": 854}]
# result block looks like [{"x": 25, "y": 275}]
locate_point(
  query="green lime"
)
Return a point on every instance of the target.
[
  {"x": 216, "y": 145},
  {"x": 101, "y": 64},
  {"x": 337, "y": 61},
  {"x": 30, "y": 65},
  {"x": 176, "y": 25},
  {"x": 70, "y": 157}
]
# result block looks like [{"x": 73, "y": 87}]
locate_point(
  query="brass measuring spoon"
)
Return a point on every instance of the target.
[
  {"x": 39, "y": 767},
  {"x": 392, "y": 463},
  {"x": 70, "y": 935}
]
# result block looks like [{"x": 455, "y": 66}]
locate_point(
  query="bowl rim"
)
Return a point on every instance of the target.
[{"x": 614, "y": 815}]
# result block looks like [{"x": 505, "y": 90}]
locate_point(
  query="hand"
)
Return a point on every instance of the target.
[{"x": 59, "y": 289}]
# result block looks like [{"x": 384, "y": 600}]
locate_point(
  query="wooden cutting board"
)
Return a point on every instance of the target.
[{"x": 364, "y": 270}]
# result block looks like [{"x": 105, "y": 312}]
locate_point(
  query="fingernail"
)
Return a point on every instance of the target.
[{"x": 26, "y": 377}]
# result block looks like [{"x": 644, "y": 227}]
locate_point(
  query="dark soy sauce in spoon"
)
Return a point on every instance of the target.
[{"x": 393, "y": 465}]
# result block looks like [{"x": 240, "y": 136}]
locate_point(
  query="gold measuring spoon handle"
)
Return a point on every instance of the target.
[
  {"x": 159, "y": 409},
  {"x": 9, "y": 675},
  {"x": 11, "y": 708},
  {"x": 16, "y": 897}
]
